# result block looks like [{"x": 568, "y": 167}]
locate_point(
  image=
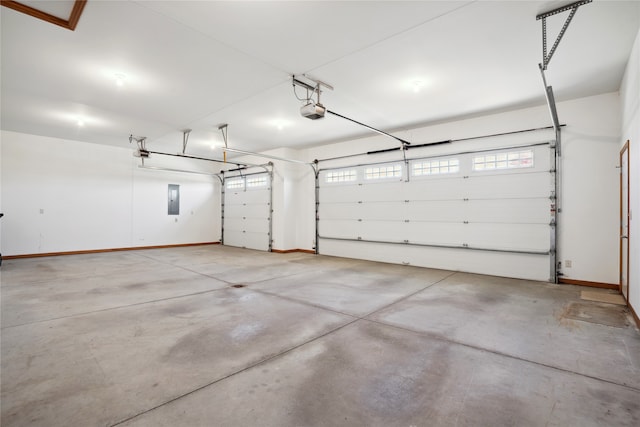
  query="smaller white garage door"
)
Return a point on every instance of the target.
[{"x": 246, "y": 211}]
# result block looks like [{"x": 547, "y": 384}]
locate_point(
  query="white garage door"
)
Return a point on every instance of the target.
[
  {"x": 246, "y": 211},
  {"x": 485, "y": 212}
]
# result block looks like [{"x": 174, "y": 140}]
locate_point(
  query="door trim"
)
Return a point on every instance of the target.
[{"x": 624, "y": 216}]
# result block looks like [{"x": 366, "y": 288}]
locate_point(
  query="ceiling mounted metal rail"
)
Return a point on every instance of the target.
[
  {"x": 266, "y": 156},
  {"x": 224, "y": 129},
  {"x": 159, "y": 168},
  {"x": 186, "y": 156},
  {"x": 402, "y": 141},
  {"x": 573, "y": 7}
]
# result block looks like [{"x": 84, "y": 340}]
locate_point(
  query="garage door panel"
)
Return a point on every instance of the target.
[
  {"x": 233, "y": 224},
  {"x": 435, "y": 189},
  {"x": 349, "y": 210},
  {"x": 256, "y": 225},
  {"x": 233, "y": 198},
  {"x": 531, "y": 267},
  {"x": 234, "y": 237},
  {"x": 509, "y": 237},
  {"x": 247, "y": 209},
  {"x": 257, "y": 212},
  {"x": 233, "y": 211},
  {"x": 256, "y": 241},
  {"x": 339, "y": 228},
  {"x": 391, "y": 231},
  {"x": 256, "y": 196},
  {"x": 435, "y": 233},
  {"x": 339, "y": 193},
  {"x": 509, "y": 186},
  {"x": 447, "y": 211},
  {"x": 377, "y": 191},
  {"x": 534, "y": 211},
  {"x": 392, "y": 210}
]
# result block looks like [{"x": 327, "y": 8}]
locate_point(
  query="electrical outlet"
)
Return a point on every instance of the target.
[
  {"x": 567, "y": 263},
  {"x": 41, "y": 211}
]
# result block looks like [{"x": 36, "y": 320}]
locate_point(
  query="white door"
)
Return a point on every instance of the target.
[
  {"x": 624, "y": 221},
  {"x": 484, "y": 212},
  {"x": 247, "y": 212}
]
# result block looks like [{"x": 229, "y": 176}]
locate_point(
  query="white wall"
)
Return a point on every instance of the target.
[
  {"x": 630, "y": 101},
  {"x": 60, "y": 195}
]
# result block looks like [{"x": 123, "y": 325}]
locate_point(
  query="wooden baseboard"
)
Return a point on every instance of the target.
[
  {"x": 288, "y": 251},
  {"x": 589, "y": 284},
  {"x": 99, "y": 251}
]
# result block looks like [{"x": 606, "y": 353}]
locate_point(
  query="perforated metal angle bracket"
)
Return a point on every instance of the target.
[
  {"x": 573, "y": 7},
  {"x": 185, "y": 139}
]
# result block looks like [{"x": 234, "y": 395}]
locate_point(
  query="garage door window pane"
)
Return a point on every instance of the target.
[
  {"x": 505, "y": 160},
  {"x": 235, "y": 183},
  {"x": 254, "y": 182},
  {"x": 382, "y": 172},
  {"x": 341, "y": 176},
  {"x": 436, "y": 167}
]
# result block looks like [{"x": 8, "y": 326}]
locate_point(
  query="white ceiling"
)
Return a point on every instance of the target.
[{"x": 198, "y": 64}]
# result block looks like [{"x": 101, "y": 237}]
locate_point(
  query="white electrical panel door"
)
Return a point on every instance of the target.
[
  {"x": 247, "y": 212},
  {"x": 483, "y": 212}
]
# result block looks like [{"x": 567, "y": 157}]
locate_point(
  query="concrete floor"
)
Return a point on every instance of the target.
[{"x": 162, "y": 338}]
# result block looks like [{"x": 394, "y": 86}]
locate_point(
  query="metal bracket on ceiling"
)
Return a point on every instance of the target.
[
  {"x": 573, "y": 7},
  {"x": 141, "y": 143},
  {"x": 224, "y": 129},
  {"x": 185, "y": 139},
  {"x": 311, "y": 89}
]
